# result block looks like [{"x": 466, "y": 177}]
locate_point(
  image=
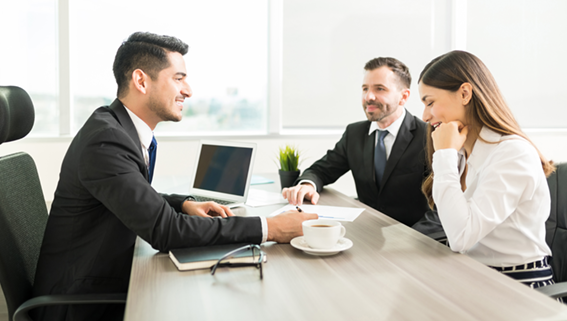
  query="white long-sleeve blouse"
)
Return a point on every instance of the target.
[{"x": 499, "y": 219}]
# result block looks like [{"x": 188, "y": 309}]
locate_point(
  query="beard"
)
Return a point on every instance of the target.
[
  {"x": 382, "y": 111},
  {"x": 160, "y": 108}
]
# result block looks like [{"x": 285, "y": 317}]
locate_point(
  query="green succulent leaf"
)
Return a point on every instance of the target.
[{"x": 288, "y": 158}]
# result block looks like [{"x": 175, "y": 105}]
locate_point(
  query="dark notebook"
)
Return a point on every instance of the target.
[{"x": 195, "y": 258}]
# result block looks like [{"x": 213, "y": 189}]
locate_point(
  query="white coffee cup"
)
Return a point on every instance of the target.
[{"x": 322, "y": 234}]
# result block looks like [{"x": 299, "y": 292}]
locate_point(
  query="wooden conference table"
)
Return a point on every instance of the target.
[{"x": 391, "y": 273}]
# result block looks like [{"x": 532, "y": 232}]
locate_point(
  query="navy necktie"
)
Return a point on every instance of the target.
[
  {"x": 380, "y": 155},
  {"x": 152, "y": 152}
]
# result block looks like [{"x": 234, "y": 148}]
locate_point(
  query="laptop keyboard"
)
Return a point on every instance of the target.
[{"x": 208, "y": 199}]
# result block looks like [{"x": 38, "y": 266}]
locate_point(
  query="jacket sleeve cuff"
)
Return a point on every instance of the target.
[{"x": 307, "y": 181}]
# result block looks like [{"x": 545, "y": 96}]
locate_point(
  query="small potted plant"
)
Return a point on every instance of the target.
[{"x": 288, "y": 161}]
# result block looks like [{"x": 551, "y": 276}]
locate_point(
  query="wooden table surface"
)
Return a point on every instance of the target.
[{"x": 391, "y": 273}]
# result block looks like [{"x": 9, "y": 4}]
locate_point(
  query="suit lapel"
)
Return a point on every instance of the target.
[
  {"x": 124, "y": 119},
  {"x": 403, "y": 139}
]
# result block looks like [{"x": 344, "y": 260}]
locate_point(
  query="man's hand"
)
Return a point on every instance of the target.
[
  {"x": 450, "y": 135},
  {"x": 284, "y": 227},
  {"x": 205, "y": 209},
  {"x": 294, "y": 195}
]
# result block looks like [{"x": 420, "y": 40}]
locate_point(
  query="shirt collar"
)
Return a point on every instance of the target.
[
  {"x": 144, "y": 131},
  {"x": 482, "y": 149},
  {"x": 394, "y": 127}
]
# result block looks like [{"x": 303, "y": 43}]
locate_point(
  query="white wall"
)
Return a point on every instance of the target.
[{"x": 176, "y": 156}]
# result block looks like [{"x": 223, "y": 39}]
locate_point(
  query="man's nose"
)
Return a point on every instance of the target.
[
  {"x": 187, "y": 91},
  {"x": 369, "y": 96}
]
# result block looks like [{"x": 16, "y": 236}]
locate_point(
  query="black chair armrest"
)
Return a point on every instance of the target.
[
  {"x": 438, "y": 235},
  {"x": 21, "y": 313},
  {"x": 555, "y": 291}
]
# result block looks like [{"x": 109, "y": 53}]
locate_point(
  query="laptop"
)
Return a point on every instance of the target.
[{"x": 223, "y": 172}]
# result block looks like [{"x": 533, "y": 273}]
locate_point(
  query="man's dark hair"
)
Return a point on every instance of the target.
[
  {"x": 398, "y": 67},
  {"x": 145, "y": 51}
]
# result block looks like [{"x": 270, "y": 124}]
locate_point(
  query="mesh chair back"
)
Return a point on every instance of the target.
[
  {"x": 23, "y": 216},
  {"x": 556, "y": 225}
]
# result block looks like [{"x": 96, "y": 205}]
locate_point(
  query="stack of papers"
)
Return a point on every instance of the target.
[
  {"x": 258, "y": 197},
  {"x": 346, "y": 214}
]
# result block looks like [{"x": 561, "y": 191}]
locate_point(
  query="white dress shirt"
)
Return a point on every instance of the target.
[
  {"x": 500, "y": 218},
  {"x": 393, "y": 130},
  {"x": 146, "y": 135}
]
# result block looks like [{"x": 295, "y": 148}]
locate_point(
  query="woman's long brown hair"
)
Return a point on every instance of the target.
[{"x": 487, "y": 107}]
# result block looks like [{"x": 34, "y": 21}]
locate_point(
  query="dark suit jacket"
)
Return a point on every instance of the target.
[
  {"x": 102, "y": 202},
  {"x": 399, "y": 194}
]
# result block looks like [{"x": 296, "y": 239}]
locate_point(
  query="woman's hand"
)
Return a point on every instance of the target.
[{"x": 450, "y": 135}]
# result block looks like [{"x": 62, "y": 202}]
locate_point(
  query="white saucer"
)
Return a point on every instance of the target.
[{"x": 342, "y": 245}]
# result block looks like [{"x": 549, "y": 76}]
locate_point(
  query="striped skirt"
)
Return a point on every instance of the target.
[{"x": 534, "y": 274}]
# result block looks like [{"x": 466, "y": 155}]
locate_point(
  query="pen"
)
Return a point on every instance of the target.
[{"x": 298, "y": 209}]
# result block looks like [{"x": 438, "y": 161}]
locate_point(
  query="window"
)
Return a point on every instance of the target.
[
  {"x": 327, "y": 43},
  {"x": 29, "y": 59},
  {"x": 226, "y": 64},
  {"x": 262, "y": 66},
  {"x": 521, "y": 42}
]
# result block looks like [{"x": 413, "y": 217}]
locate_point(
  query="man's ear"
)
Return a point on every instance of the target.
[
  {"x": 466, "y": 93},
  {"x": 405, "y": 97},
  {"x": 140, "y": 80}
]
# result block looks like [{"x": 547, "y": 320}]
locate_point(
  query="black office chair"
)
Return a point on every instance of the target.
[
  {"x": 23, "y": 216},
  {"x": 556, "y": 232},
  {"x": 430, "y": 225}
]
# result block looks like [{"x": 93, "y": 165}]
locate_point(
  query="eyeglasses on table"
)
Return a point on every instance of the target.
[{"x": 256, "y": 250}]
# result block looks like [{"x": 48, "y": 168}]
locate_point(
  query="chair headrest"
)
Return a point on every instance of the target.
[{"x": 16, "y": 113}]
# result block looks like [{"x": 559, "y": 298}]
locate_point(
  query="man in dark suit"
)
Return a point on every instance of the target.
[
  {"x": 104, "y": 199},
  {"x": 386, "y": 154}
]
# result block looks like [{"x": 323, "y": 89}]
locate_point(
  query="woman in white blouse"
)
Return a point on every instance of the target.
[{"x": 488, "y": 179}]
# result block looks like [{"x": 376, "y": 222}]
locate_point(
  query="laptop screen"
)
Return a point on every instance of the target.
[{"x": 223, "y": 169}]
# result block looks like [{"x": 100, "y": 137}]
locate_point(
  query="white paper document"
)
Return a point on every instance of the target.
[
  {"x": 258, "y": 198},
  {"x": 347, "y": 214}
]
